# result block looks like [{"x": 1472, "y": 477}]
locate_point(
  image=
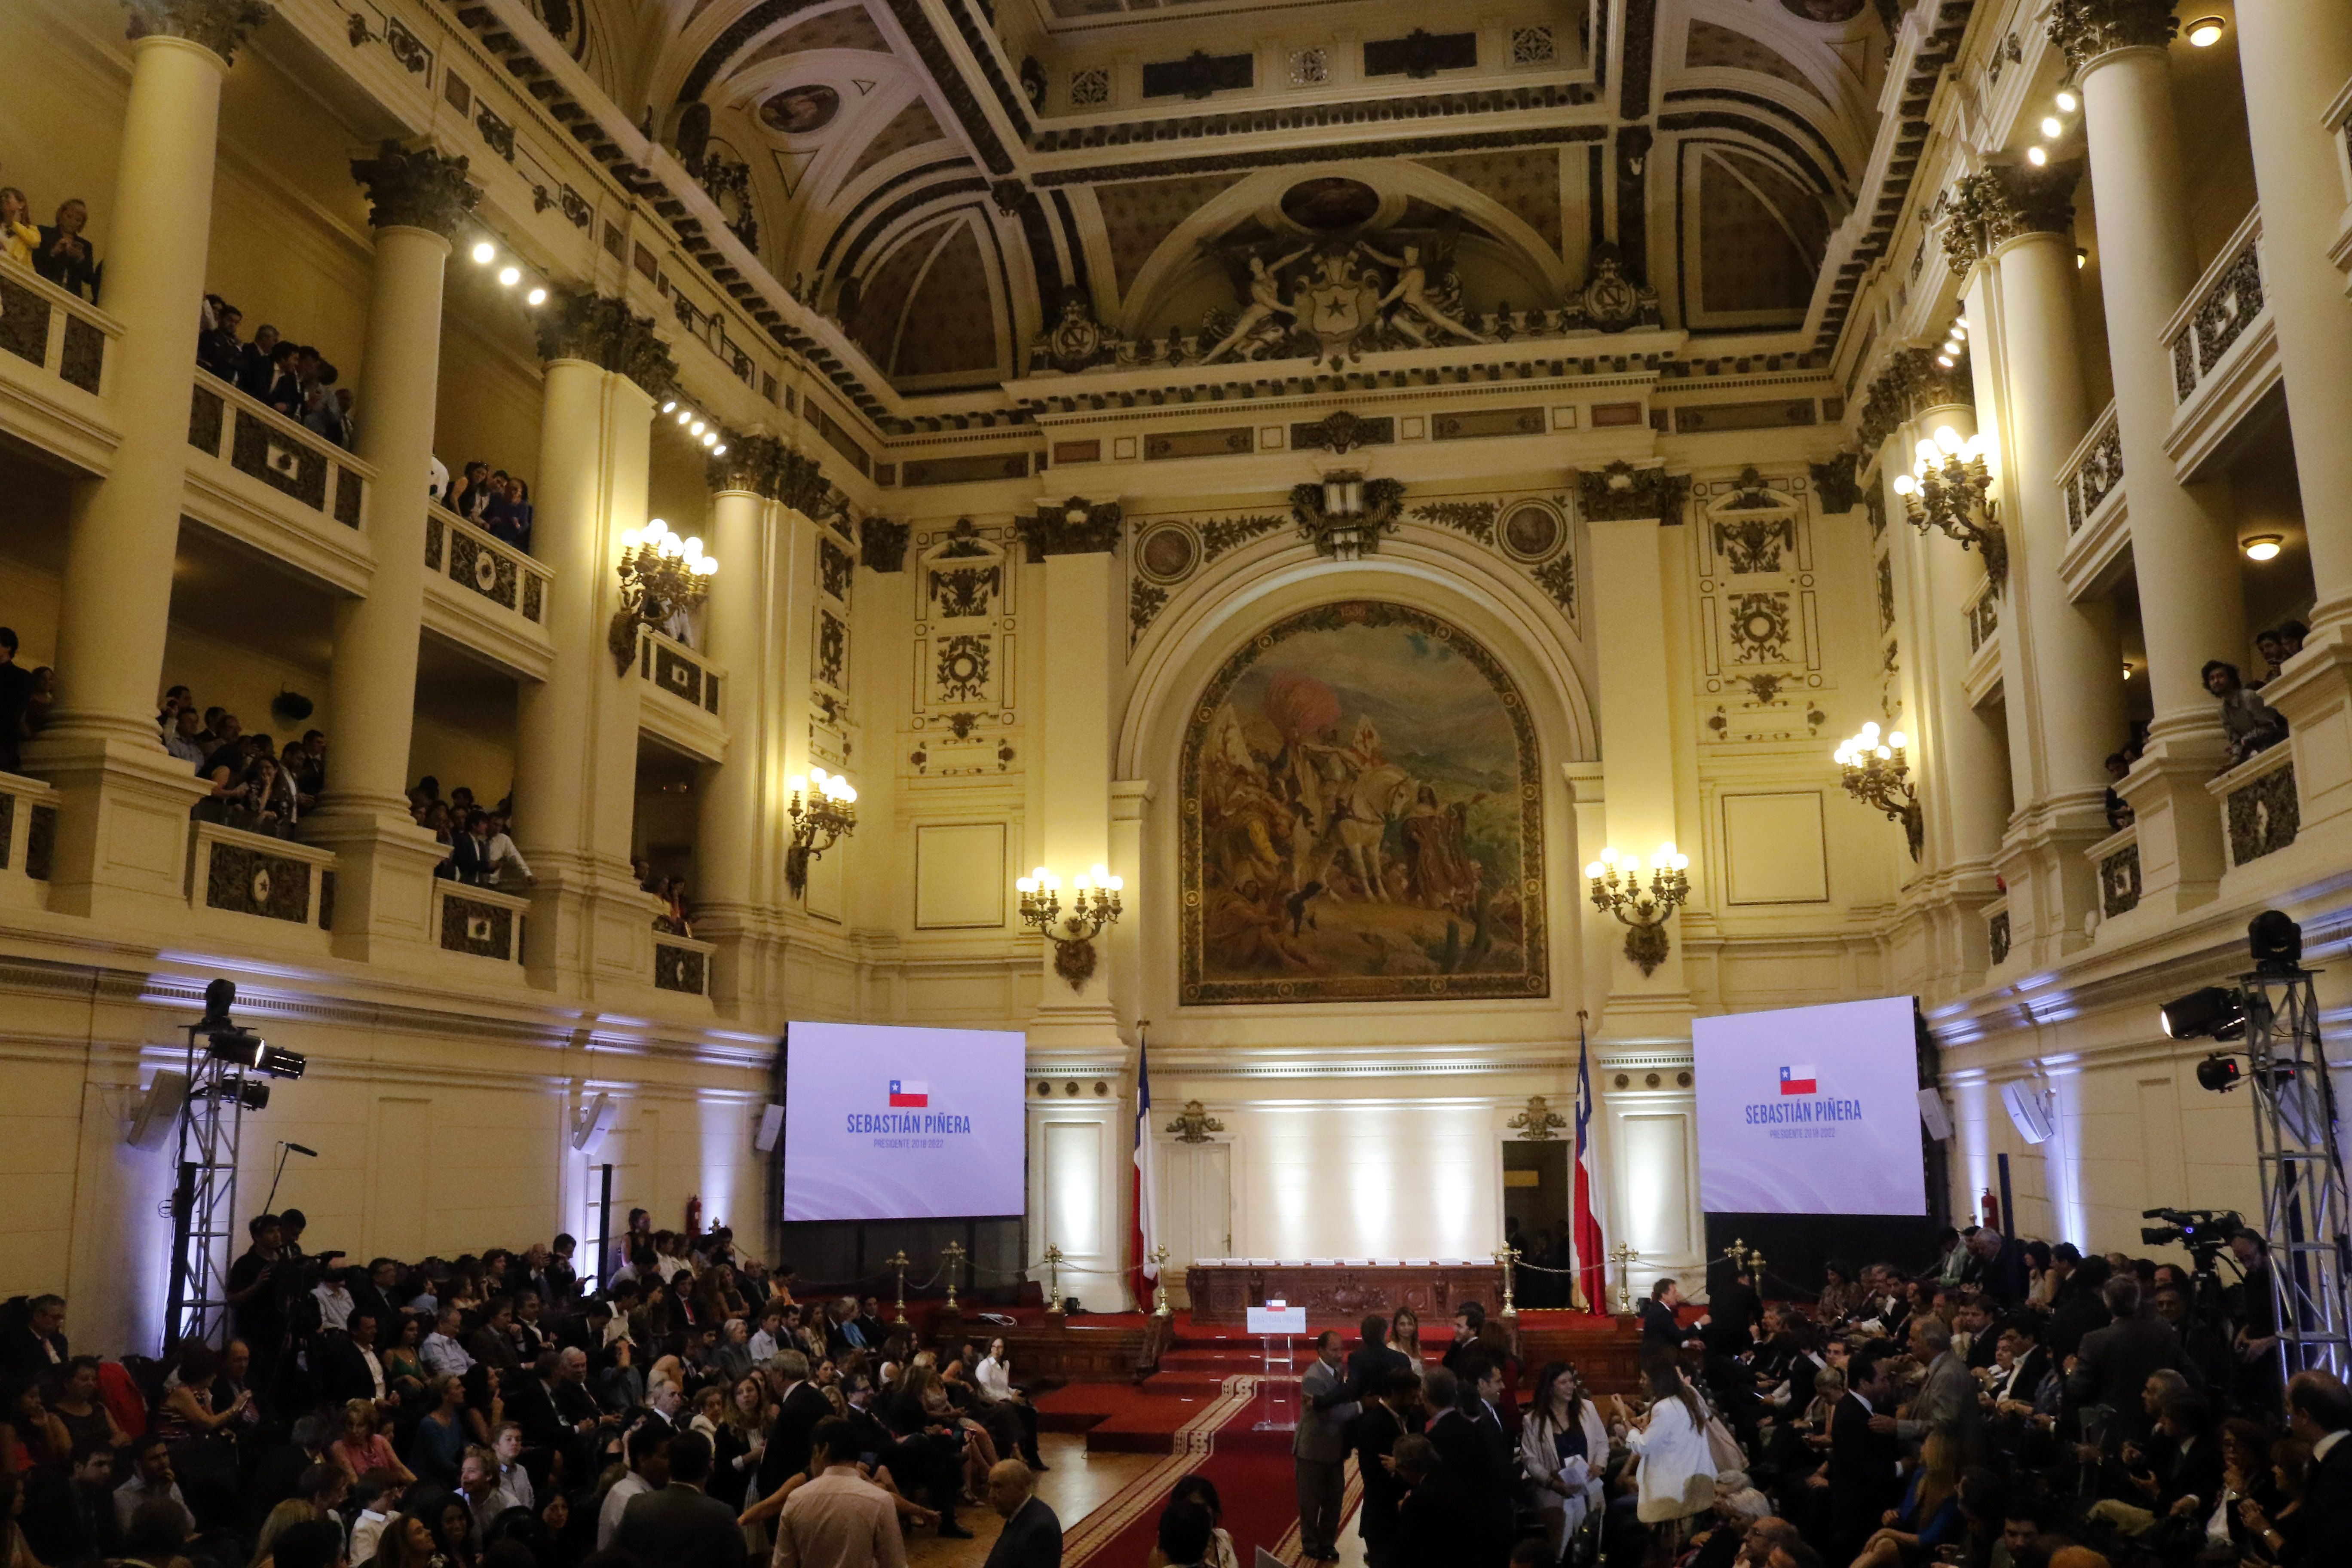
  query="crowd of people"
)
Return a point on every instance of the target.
[
  {"x": 480, "y": 839},
  {"x": 2010, "y": 1405},
  {"x": 2252, "y": 725},
  {"x": 56, "y": 250},
  {"x": 673, "y": 919},
  {"x": 493, "y": 499},
  {"x": 487, "y": 1412},
  {"x": 257, "y": 786},
  {"x": 293, "y": 378}
]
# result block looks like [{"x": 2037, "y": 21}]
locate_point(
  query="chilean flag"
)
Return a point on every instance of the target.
[
  {"x": 913, "y": 1094},
  {"x": 1142, "y": 1225},
  {"x": 1591, "y": 1260},
  {"x": 1797, "y": 1081}
]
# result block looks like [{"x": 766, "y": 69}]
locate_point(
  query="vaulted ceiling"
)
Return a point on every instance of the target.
[{"x": 942, "y": 176}]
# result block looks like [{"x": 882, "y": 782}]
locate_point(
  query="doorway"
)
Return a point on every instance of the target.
[
  {"x": 1196, "y": 1202},
  {"x": 1535, "y": 1219}
]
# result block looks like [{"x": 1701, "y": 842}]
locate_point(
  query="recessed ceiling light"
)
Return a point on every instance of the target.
[
  {"x": 2036, "y": 156},
  {"x": 2052, "y": 126},
  {"x": 509, "y": 276},
  {"x": 536, "y": 297},
  {"x": 483, "y": 251},
  {"x": 2068, "y": 102},
  {"x": 2206, "y": 31},
  {"x": 2262, "y": 547}
]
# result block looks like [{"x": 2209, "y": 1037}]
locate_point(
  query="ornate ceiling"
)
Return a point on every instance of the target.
[{"x": 952, "y": 183}]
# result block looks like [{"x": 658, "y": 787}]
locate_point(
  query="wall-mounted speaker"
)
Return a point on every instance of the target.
[
  {"x": 595, "y": 1119},
  {"x": 772, "y": 1129},
  {"x": 2029, "y": 1110},
  {"x": 1938, "y": 1120},
  {"x": 158, "y": 1111}
]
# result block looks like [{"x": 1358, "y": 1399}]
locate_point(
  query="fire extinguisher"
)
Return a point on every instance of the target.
[
  {"x": 694, "y": 1214},
  {"x": 1991, "y": 1210}
]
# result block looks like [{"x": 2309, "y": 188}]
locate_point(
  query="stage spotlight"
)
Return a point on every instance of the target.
[
  {"x": 250, "y": 1049},
  {"x": 2218, "y": 1074},
  {"x": 250, "y": 1094},
  {"x": 2216, "y": 1013},
  {"x": 220, "y": 996},
  {"x": 2277, "y": 942}
]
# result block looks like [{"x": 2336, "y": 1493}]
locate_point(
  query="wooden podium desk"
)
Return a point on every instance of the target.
[{"x": 1337, "y": 1291}]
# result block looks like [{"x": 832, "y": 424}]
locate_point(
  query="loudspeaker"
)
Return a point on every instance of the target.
[
  {"x": 2029, "y": 1109},
  {"x": 772, "y": 1129},
  {"x": 1932, "y": 1112},
  {"x": 594, "y": 1120},
  {"x": 158, "y": 1110}
]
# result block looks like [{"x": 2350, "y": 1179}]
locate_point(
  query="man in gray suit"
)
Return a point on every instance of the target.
[
  {"x": 1320, "y": 1450},
  {"x": 1032, "y": 1536},
  {"x": 2115, "y": 1362},
  {"x": 1945, "y": 1405},
  {"x": 677, "y": 1526}
]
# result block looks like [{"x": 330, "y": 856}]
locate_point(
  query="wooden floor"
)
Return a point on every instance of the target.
[{"x": 1077, "y": 1485}]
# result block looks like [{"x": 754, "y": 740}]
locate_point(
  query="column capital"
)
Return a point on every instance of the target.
[
  {"x": 1986, "y": 210},
  {"x": 1914, "y": 379},
  {"x": 753, "y": 463},
  {"x": 1622, "y": 492},
  {"x": 606, "y": 332},
  {"x": 220, "y": 26},
  {"x": 882, "y": 543},
  {"x": 1073, "y": 527},
  {"x": 801, "y": 485},
  {"x": 415, "y": 188},
  {"x": 2088, "y": 30}
]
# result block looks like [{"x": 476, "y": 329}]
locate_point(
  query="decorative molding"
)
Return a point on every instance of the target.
[
  {"x": 1345, "y": 535},
  {"x": 1193, "y": 1123},
  {"x": 220, "y": 26},
  {"x": 1538, "y": 1123},
  {"x": 751, "y": 463},
  {"x": 1912, "y": 380},
  {"x": 882, "y": 544},
  {"x": 2087, "y": 30},
  {"x": 1077, "y": 527},
  {"x": 416, "y": 188},
  {"x": 1339, "y": 430},
  {"x": 605, "y": 331},
  {"x": 1836, "y": 484},
  {"x": 1622, "y": 491},
  {"x": 1473, "y": 518}
]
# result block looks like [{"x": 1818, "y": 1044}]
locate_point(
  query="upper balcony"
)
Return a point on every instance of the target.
[
  {"x": 2339, "y": 124},
  {"x": 54, "y": 372},
  {"x": 1983, "y": 672},
  {"x": 2224, "y": 346},
  {"x": 484, "y": 594},
  {"x": 2097, "y": 511},
  {"x": 267, "y": 481},
  {"x": 681, "y": 704}
]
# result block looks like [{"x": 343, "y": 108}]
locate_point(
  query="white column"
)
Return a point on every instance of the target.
[
  {"x": 1637, "y": 761},
  {"x": 122, "y": 828},
  {"x": 735, "y": 633},
  {"x": 2184, "y": 554},
  {"x": 2296, "y": 56}
]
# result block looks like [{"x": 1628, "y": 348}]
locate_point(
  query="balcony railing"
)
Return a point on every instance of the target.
[
  {"x": 482, "y": 921},
  {"x": 277, "y": 488},
  {"x": 682, "y": 706},
  {"x": 2116, "y": 859},
  {"x": 55, "y": 352},
  {"x": 2221, "y": 309},
  {"x": 232, "y": 872},
  {"x": 2339, "y": 124},
  {"x": 28, "y": 832},
  {"x": 2093, "y": 474},
  {"x": 2260, "y": 811},
  {"x": 682, "y": 963},
  {"x": 473, "y": 558},
  {"x": 1996, "y": 918},
  {"x": 1983, "y": 611}
]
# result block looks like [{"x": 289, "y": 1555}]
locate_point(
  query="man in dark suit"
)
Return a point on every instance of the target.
[
  {"x": 32, "y": 1348},
  {"x": 1383, "y": 1422},
  {"x": 799, "y": 1408},
  {"x": 1734, "y": 1312},
  {"x": 1661, "y": 1317},
  {"x": 1032, "y": 1536},
  {"x": 1435, "y": 1519},
  {"x": 2079, "y": 1306},
  {"x": 1371, "y": 1362},
  {"x": 1470, "y": 1444},
  {"x": 2319, "y": 1412},
  {"x": 1863, "y": 1452},
  {"x": 70, "y": 1518},
  {"x": 345, "y": 1361},
  {"x": 677, "y": 1526},
  {"x": 2113, "y": 1366},
  {"x": 2003, "y": 1275}
]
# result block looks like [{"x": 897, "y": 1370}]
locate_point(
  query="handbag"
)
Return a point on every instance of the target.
[{"x": 1723, "y": 1448}]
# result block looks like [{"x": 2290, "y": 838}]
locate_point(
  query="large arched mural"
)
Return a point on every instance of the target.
[{"x": 1362, "y": 817}]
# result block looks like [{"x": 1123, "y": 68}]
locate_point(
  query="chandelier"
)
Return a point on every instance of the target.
[
  {"x": 830, "y": 815},
  {"x": 1948, "y": 490},
  {"x": 661, "y": 574},
  {"x": 1877, "y": 775},
  {"x": 1617, "y": 891},
  {"x": 1094, "y": 904}
]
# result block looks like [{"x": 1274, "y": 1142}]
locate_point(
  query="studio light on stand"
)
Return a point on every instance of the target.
[
  {"x": 2306, "y": 1220},
  {"x": 226, "y": 1068}
]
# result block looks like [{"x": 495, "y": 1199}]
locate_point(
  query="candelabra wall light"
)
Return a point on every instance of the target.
[
  {"x": 661, "y": 574},
  {"x": 1094, "y": 904},
  {"x": 1948, "y": 490},
  {"x": 829, "y": 815},
  {"x": 1877, "y": 773},
  {"x": 1617, "y": 891}
]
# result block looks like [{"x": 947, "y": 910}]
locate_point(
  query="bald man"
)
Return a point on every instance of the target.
[{"x": 1032, "y": 1536}]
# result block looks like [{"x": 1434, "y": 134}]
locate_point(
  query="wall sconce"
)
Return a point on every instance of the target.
[
  {"x": 1948, "y": 489},
  {"x": 1877, "y": 773},
  {"x": 1094, "y": 904},
  {"x": 661, "y": 574},
  {"x": 830, "y": 815},
  {"x": 1644, "y": 913}
]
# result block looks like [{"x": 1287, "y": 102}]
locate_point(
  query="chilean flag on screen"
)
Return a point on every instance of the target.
[
  {"x": 1793, "y": 1081},
  {"x": 913, "y": 1094}
]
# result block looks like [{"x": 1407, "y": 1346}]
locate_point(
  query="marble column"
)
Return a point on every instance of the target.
[
  {"x": 122, "y": 832},
  {"x": 2062, "y": 663},
  {"x": 1075, "y": 540},
  {"x": 418, "y": 201},
  {"x": 576, "y": 742},
  {"x": 1638, "y": 746},
  {"x": 2183, "y": 540},
  {"x": 2296, "y": 56},
  {"x": 738, "y": 795}
]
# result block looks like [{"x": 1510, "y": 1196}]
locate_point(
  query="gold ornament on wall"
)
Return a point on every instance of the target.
[
  {"x": 1094, "y": 904},
  {"x": 1193, "y": 1123},
  {"x": 1538, "y": 1123},
  {"x": 1617, "y": 891}
]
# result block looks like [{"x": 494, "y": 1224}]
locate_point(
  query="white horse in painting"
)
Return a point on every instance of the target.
[{"x": 1359, "y": 823}]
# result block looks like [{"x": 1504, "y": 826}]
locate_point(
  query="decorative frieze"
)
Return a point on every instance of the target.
[{"x": 1076, "y": 527}]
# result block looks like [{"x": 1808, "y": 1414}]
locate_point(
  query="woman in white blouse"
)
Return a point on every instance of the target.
[
  {"x": 1562, "y": 1426},
  {"x": 1677, "y": 1472}
]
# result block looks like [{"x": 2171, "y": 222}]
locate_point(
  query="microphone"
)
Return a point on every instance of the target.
[{"x": 302, "y": 1148}]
